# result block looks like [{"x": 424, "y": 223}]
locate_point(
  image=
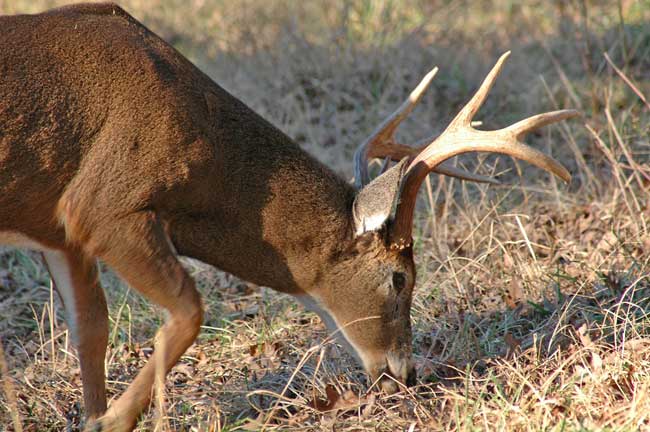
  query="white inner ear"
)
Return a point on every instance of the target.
[
  {"x": 371, "y": 223},
  {"x": 374, "y": 203}
]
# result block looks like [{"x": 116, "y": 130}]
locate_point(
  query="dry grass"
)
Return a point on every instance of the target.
[{"x": 533, "y": 300}]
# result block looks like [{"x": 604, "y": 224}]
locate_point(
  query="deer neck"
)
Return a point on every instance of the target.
[
  {"x": 308, "y": 224},
  {"x": 280, "y": 225}
]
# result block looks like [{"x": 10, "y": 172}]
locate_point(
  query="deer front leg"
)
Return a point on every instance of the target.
[
  {"x": 76, "y": 280},
  {"x": 140, "y": 252}
]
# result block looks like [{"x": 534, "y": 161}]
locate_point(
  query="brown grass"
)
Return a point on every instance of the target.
[{"x": 533, "y": 299}]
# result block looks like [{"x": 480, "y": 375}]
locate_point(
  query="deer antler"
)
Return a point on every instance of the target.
[
  {"x": 461, "y": 137},
  {"x": 381, "y": 143}
]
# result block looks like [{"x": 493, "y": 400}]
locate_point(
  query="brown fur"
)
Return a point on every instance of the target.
[{"x": 112, "y": 144}]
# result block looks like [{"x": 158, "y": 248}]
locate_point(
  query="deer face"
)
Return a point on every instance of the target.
[
  {"x": 366, "y": 299},
  {"x": 379, "y": 283},
  {"x": 365, "y": 296}
]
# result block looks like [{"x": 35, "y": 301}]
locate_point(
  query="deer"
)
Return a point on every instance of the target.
[{"x": 115, "y": 147}]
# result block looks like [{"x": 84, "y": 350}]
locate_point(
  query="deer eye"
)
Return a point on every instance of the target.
[{"x": 399, "y": 281}]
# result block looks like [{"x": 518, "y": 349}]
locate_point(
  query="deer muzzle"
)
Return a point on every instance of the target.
[{"x": 399, "y": 370}]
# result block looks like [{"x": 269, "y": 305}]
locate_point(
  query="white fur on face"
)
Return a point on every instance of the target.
[{"x": 312, "y": 304}]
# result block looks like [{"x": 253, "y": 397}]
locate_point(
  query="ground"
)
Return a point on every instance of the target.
[{"x": 532, "y": 301}]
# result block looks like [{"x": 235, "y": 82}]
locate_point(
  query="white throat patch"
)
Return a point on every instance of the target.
[{"x": 312, "y": 304}]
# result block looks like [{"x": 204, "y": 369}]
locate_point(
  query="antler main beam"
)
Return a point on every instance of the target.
[
  {"x": 460, "y": 137},
  {"x": 396, "y": 152}
]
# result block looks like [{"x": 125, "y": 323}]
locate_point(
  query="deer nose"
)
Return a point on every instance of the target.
[
  {"x": 411, "y": 378},
  {"x": 388, "y": 382}
]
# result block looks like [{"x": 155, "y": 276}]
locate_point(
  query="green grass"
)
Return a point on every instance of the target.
[{"x": 532, "y": 305}]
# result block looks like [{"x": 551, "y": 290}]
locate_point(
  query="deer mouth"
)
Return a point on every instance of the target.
[{"x": 390, "y": 379}]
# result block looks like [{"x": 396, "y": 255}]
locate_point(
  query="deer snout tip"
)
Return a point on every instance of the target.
[{"x": 390, "y": 383}]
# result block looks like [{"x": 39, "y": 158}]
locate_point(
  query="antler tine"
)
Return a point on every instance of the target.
[
  {"x": 504, "y": 141},
  {"x": 396, "y": 152},
  {"x": 451, "y": 171},
  {"x": 460, "y": 137},
  {"x": 386, "y": 129},
  {"x": 468, "y": 112},
  {"x": 522, "y": 127}
]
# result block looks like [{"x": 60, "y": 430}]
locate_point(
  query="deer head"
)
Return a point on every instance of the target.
[{"x": 370, "y": 283}]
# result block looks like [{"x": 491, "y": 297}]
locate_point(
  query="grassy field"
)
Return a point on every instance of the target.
[{"x": 532, "y": 310}]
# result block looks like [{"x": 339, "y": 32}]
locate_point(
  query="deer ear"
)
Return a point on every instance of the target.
[{"x": 375, "y": 203}]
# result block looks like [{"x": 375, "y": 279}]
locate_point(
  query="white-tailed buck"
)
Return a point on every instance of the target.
[{"x": 113, "y": 146}]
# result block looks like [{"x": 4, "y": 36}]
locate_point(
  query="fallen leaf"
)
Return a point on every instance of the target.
[
  {"x": 326, "y": 404},
  {"x": 203, "y": 358},
  {"x": 335, "y": 401},
  {"x": 512, "y": 343},
  {"x": 514, "y": 294}
]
